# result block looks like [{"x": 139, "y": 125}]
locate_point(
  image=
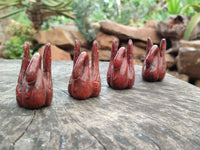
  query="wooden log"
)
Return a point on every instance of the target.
[{"x": 154, "y": 116}]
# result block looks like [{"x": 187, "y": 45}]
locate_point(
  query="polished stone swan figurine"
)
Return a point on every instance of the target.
[
  {"x": 121, "y": 73},
  {"x": 85, "y": 82},
  {"x": 35, "y": 88},
  {"x": 154, "y": 65}
]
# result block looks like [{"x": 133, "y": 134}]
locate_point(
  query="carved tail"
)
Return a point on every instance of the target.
[
  {"x": 47, "y": 73},
  {"x": 149, "y": 45},
  {"x": 162, "y": 67},
  {"x": 95, "y": 76},
  {"x": 131, "y": 71},
  {"x": 113, "y": 53},
  {"x": 76, "y": 51},
  {"x": 25, "y": 63}
]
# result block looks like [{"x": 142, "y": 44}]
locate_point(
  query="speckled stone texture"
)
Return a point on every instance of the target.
[{"x": 155, "y": 116}]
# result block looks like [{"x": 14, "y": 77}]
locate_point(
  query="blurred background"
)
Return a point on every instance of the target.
[{"x": 61, "y": 22}]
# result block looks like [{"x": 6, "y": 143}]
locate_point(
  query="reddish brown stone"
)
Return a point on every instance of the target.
[
  {"x": 127, "y": 32},
  {"x": 121, "y": 73},
  {"x": 56, "y": 53},
  {"x": 58, "y": 37},
  {"x": 183, "y": 77},
  {"x": 151, "y": 24},
  {"x": 105, "y": 40},
  {"x": 194, "y": 44},
  {"x": 170, "y": 60},
  {"x": 138, "y": 52},
  {"x": 154, "y": 66},
  {"x": 197, "y": 83},
  {"x": 188, "y": 62},
  {"x": 35, "y": 88},
  {"x": 82, "y": 84},
  {"x": 74, "y": 32}
]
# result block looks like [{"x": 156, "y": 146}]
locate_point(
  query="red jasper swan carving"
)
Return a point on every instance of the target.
[
  {"x": 35, "y": 88},
  {"x": 154, "y": 66},
  {"x": 85, "y": 83},
  {"x": 121, "y": 73}
]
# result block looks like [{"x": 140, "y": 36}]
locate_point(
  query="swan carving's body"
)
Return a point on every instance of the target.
[
  {"x": 85, "y": 83},
  {"x": 121, "y": 73},
  {"x": 35, "y": 88},
  {"x": 154, "y": 66}
]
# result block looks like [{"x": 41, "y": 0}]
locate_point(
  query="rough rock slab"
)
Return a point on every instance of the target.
[
  {"x": 75, "y": 33},
  {"x": 154, "y": 116},
  {"x": 56, "y": 53},
  {"x": 138, "y": 52},
  {"x": 183, "y": 77},
  {"x": 194, "y": 44},
  {"x": 104, "y": 55},
  {"x": 188, "y": 62},
  {"x": 105, "y": 40},
  {"x": 170, "y": 60},
  {"x": 58, "y": 37},
  {"x": 197, "y": 83},
  {"x": 127, "y": 32}
]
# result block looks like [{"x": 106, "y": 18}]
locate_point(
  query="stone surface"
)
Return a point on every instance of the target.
[
  {"x": 188, "y": 62},
  {"x": 75, "y": 33},
  {"x": 140, "y": 44},
  {"x": 138, "y": 62},
  {"x": 35, "y": 87},
  {"x": 105, "y": 40},
  {"x": 104, "y": 55},
  {"x": 194, "y": 44},
  {"x": 56, "y": 53},
  {"x": 151, "y": 24},
  {"x": 95, "y": 25},
  {"x": 197, "y": 83},
  {"x": 195, "y": 33},
  {"x": 127, "y": 32},
  {"x": 85, "y": 81},
  {"x": 170, "y": 60},
  {"x": 173, "y": 51},
  {"x": 138, "y": 52},
  {"x": 183, "y": 77},
  {"x": 175, "y": 28},
  {"x": 163, "y": 115},
  {"x": 58, "y": 37},
  {"x": 2, "y": 51}
]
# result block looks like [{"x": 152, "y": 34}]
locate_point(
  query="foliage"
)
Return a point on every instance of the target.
[
  {"x": 17, "y": 29},
  {"x": 20, "y": 34},
  {"x": 38, "y": 10},
  {"x": 14, "y": 47},
  {"x": 180, "y": 6},
  {"x": 174, "y": 6},
  {"x": 128, "y": 12},
  {"x": 82, "y": 12},
  {"x": 194, "y": 20}
]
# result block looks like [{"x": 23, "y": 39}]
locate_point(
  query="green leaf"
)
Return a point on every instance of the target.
[{"x": 193, "y": 22}]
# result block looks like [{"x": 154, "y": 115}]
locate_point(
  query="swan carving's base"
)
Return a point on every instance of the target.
[
  {"x": 85, "y": 82},
  {"x": 35, "y": 88},
  {"x": 121, "y": 73},
  {"x": 154, "y": 66}
]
